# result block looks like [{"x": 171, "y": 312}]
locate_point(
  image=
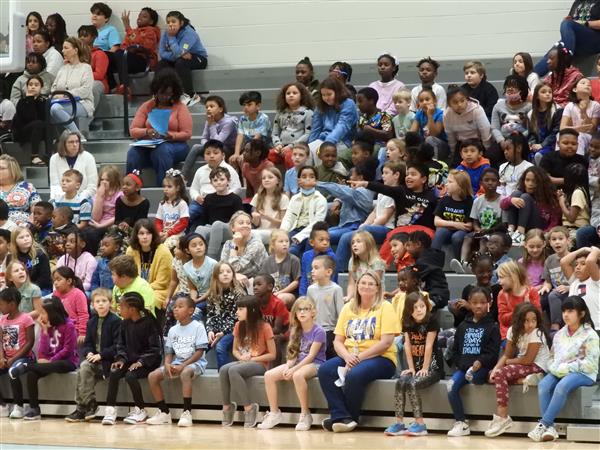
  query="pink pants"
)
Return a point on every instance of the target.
[{"x": 508, "y": 375}]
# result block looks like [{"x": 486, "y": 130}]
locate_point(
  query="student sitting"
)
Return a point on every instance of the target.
[
  {"x": 254, "y": 124},
  {"x": 273, "y": 310},
  {"x": 387, "y": 86},
  {"x": 473, "y": 162},
  {"x": 428, "y": 70},
  {"x": 300, "y": 156},
  {"x": 555, "y": 163},
  {"x": 68, "y": 288},
  {"x": 319, "y": 241},
  {"x": 330, "y": 169},
  {"x": 584, "y": 278},
  {"x": 82, "y": 262},
  {"x": 41, "y": 225},
  {"x": 429, "y": 123},
  {"x": 374, "y": 125},
  {"x": 268, "y": 204},
  {"x": 62, "y": 226},
  {"x": 99, "y": 62},
  {"x": 79, "y": 203},
  {"x": 283, "y": 267},
  {"x": 478, "y": 87},
  {"x": 125, "y": 276},
  {"x": 404, "y": 117}
]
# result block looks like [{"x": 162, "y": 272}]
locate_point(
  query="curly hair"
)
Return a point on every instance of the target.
[
  {"x": 306, "y": 99},
  {"x": 167, "y": 78},
  {"x": 518, "y": 322},
  {"x": 545, "y": 192}
]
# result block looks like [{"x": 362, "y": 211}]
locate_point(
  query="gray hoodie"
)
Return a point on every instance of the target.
[{"x": 19, "y": 89}]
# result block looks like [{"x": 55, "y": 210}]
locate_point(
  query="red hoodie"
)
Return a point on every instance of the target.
[
  {"x": 100, "y": 66},
  {"x": 147, "y": 37}
]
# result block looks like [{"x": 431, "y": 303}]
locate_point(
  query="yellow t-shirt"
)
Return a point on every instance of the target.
[
  {"x": 398, "y": 303},
  {"x": 365, "y": 328},
  {"x": 579, "y": 199}
]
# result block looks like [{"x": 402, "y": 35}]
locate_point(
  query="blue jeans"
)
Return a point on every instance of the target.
[
  {"x": 578, "y": 38},
  {"x": 444, "y": 236},
  {"x": 587, "y": 237},
  {"x": 553, "y": 392},
  {"x": 223, "y": 349},
  {"x": 301, "y": 247},
  {"x": 196, "y": 210},
  {"x": 162, "y": 158},
  {"x": 456, "y": 384},
  {"x": 335, "y": 233},
  {"x": 343, "y": 251},
  {"x": 345, "y": 402},
  {"x": 61, "y": 112}
]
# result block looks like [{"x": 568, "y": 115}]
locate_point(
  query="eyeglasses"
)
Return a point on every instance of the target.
[{"x": 305, "y": 309}]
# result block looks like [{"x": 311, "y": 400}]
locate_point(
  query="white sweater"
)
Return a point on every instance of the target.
[
  {"x": 78, "y": 79},
  {"x": 85, "y": 163},
  {"x": 54, "y": 60},
  {"x": 201, "y": 184}
]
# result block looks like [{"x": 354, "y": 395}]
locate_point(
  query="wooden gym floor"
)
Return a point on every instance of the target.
[{"x": 55, "y": 433}]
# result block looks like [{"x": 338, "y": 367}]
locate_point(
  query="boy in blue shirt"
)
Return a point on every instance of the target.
[
  {"x": 300, "y": 155},
  {"x": 108, "y": 37},
  {"x": 253, "y": 125},
  {"x": 319, "y": 241}
]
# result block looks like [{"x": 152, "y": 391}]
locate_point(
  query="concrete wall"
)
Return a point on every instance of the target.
[{"x": 279, "y": 33}]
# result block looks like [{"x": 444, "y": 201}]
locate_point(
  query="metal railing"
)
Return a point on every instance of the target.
[{"x": 128, "y": 76}]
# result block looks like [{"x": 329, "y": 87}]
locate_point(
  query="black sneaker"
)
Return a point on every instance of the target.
[
  {"x": 76, "y": 416},
  {"x": 33, "y": 414},
  {"x": 91, "y": 411},
  {"x": 327, "y": 424}
]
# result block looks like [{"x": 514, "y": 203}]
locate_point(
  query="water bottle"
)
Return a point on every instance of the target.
[{"x": 469, "y": 374}]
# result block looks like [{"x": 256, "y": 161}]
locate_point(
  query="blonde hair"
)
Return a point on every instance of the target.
[
  {"x": 261, "y": 196},
  {"x": 216, "y": 288},
  {"x": 83, "y": 52},
  {"x": 302, "y": 145},
  {"x": 14, "y": 169},
  {"x": 463, "y": 180},
  {"x": 531, "y": 234},
  {"x": 274, "y": 235},
  {"x": 11, "y": 264},
  {"x": 402, "y": 94},
  {"x": 296, "y": 332},
  {"x": 101, "y": 292},
  {"x": 516, "y": 272},
  {"x": 477, "y": 65},
  {"x": 356, "y": 301},
  {"x": 370, "y": 248},
  {"x": 14, "y": 249},
  {"x": 398, "y": 143},
  {"x": 114, "y": 178}
]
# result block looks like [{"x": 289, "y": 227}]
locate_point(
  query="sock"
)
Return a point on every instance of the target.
[
  {"x": 162, "y": 406},
  {"x": 187, "y": 403}
]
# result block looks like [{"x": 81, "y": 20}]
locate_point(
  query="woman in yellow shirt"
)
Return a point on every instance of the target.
[{"x": 364, "y": 342}]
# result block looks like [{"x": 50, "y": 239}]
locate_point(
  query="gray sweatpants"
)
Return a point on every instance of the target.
[
  {"x": 88, "y": 375},
  {"x": 233, "y": 380},
  {"x": 216, "y": 235}
]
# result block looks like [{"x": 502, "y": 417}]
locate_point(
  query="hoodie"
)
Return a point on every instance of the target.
[
  {"x": 485, "y": 93},
  {"x": 59, "y": 343},
  {"x": 100, "y": 67},
  {"x": 147, "y": 37},
  {"x": 474, "y": 170},
  {"x": 471, "y": 124},
  {"x": 19, "y": 89},
  {"x": 430, "y": 266},
  {"x": 109, "y": 334},
  {"x": 185, "y": 41},
  {"x": 476, "y": 341},
  {"x": 562, "y": 91},
  {"x": 139, "y": 341},
  {"x": 357, "y": 204},
  {"x": 335, "y": 124}
]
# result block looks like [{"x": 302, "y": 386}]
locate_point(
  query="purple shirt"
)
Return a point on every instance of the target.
[
  {"x": 535, "y": 271},
  {"x": 59, "y": 343},
  {"x": 316, "y": 334}
]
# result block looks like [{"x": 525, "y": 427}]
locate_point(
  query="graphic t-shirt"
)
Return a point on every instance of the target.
[
  {"x": 487, "y": 212},
  {"x": 362, "y": 330},
  {"x": 184, "y": 340},
  {"x": 200, "y": 276},
  {"x": 417, "y": 336},
  {"x": 316, "y": 334},
  {"x": 171, "y": 214},
  {"x": 14, "y": 333},
  {"x": 453, "y": 210},
  {"x": 274, "y": 309},
  {"x": 283, "y": 272},
  {"x": 553, "y": 272}
]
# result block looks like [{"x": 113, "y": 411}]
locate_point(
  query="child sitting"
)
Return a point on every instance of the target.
[
  {"x": 273, "y": 310},
  {"x": 556, "y": 163},
  {"x": 131, "y": 206},
  {"x": 515, "y": 151},
  {"x": 401, "y": 258},
  {"x": 103, "y": 210},
  {"x": 255, "y": 161},
  {"x": 87, "y": 34},
  {"x": 510, "y": 113},
  {"x": 497, "y": 245},
  {"x": 98, "y": 353},
  {"x": 110, "y": 246},
  {"x": 328, "y": 297},
  {"x": 138, "y": 354},
  {"x": 330, "y": 169},
  {"x": 42, "y": 220},
  {"x": 268, "y": 204},
  {"x": 26, "y": 250},
  {"x": 62, "y": 226},
  {"x": 198, "y": 271},
  {"x": 319, "y": 241},
  {"x": 283, "y": 267},
  {"x": 5, "y": 222},
  {"x": 4, "y": 256},
  {"x": 523, "y": 66},
  {"x": 125, "y": 276},
  {"x": 534, "y": 255},
  {"x": 404, "y": 116},
  {"x": 429, "y": 123},
  {"x": 31, "y": 296},
  {"x": 365, "y": 258},
  {"x": 428, "y": 70},
  {"x": 185, "y": 347},
  {"x": 78, "y": 259},
  {"x": 179, "y": 282},
  {"x": 79, "y": 203},
  {"x": 543, "y": 123},
  {"x": 254, "y": 124},
  {"x": 582, "y": 114},
  {"x": 475, "y": 352},
  {"x": 300, "y": 156},
  {"x": 18, "y": 337},
  {"x": 574, "y": 199},
  {"x": 584, "y": 278},
  {"x": 473, "y": 162},
  {"x": 173, "y": 215},
  {"x": 387, "y": 85},
  {"x": 478, "y": 87},
  {"x": 374, "y": 125},
  {"x": 67, "y": 288}
]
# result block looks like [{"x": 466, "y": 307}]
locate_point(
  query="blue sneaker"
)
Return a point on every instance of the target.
[
  {"x": 417, "y": 429},
  {"x": 397, "y": 429}
]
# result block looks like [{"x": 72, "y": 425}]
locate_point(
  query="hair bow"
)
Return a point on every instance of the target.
[{"x": 174, "y": 173}]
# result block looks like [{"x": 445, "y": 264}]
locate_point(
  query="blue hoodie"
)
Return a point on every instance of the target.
[
  {"x": 185, "y": 41},
  {"x": 357, "y": 204},
  {"x": 335, "y": 126}
]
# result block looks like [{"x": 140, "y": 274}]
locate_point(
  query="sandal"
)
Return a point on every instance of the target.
[{"x": 37, "y": 161}]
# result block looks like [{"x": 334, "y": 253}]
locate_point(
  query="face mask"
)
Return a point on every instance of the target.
[
  {"x": 307, "y": 191},
  {"x": 513, "y": 98}
]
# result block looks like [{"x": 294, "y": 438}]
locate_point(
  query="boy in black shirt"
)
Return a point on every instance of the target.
[{"x": 555, "y": 163}]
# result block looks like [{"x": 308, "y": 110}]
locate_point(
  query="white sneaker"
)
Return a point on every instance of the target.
[
  {"x": 550, "y": 434},
  {"x": 194, "y": 100},
  {"x": 305, "y": 422},
  {"x": 160, "y": 418},
  {"x": 17, "y": 412},
  {"x": 136, "y": 416},
  {"x": 459, "y": 428},
  {"x": 457, "y": 266},
  {"x": 537, "y": 433},
  {"x": 185, "y": 420},
  {"x": 498, "y": 426},
  {"x": 270, "y": 420},
  {"x": 518, "y": 239},
  {"x": 110, "y": 416},
  {"x": 4, "y": 410},
  {"x": 185, "y": 99}
]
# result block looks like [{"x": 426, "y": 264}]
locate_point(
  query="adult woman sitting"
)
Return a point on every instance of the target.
[
  {"x": 579, "y": 32},
  {"x": 152, "y": 259},
  {"x": 70, "y": 154},
  {"x": 244, "y": 252},
  {"x": 42, "y": 45},
  {"x": 334, "y": 119},
  {"x": 18, "y": 194},
  {"x": 364, "y": 342},
  {"x": 76, "y": 77},
  {"x": 166, "y": 112}
]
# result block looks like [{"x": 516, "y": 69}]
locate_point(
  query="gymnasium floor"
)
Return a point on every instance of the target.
[{"x": 55, "y": 434}]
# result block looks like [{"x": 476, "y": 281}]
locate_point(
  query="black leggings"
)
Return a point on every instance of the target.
[
  {"x": 136, "y": 63},
  {"x": 36, "y": 371},
  {"x": 527, "y": 217},
  {"x": 33, "y": 132},
  {"x": 184, "y": 68},
  {"x": 17, "y": 391},
  {"x": 131, "y": 378}
]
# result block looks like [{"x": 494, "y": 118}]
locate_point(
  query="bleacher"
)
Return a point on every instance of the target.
[{"x": 579, "y": 420}]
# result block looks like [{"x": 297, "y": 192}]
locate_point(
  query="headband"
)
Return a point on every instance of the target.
[{"x": 135, "y": 176}]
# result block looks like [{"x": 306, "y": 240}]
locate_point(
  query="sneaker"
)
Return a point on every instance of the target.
[
  {"x": 417, "y": 429},
  {"x": 136, "y": 416},
  {"x": 531, "y": 380},
  {"x": 518, "y": 239},
  {"x": 550, "y": 434},
  {"x": 91, "y": 410},
  {"x": 17, "y": 412},
  {"x": 17, "y": 370},
  {"x": 160, "y": 418},
  {"x": 459, "y": 428},
  {"x": 185, "y": 420},
  {"x": 83, "y": 140},
  {"x": 327, "y": 424},
  {"x": 305, "y": 422},
  {"x": 76, "y": 416},
  {"x": 457, "y": 266},
  {"x": 185, "y": 99},
  {"x": 250, "y": 416},
  {"x": 228, "y": 415},
  {"x": 4, "y": 410},
  {"x": 345, "y": 426},
  {"x": 397, "y": 429},
  {"x": 498, "y": 426},
  {"x": 537, "y": 433},
  {"x": 110, "y": 416},
  {"x": 33, "y": 414},
  {"x": 270, "y": 420},
  {"x": 194, "y": 100}
]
